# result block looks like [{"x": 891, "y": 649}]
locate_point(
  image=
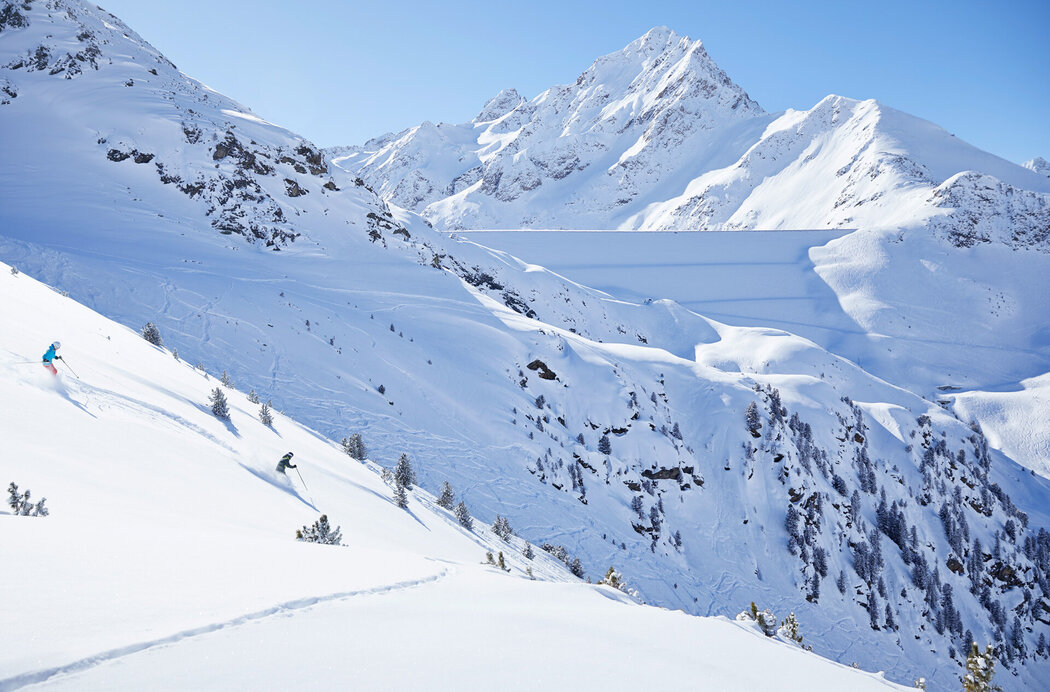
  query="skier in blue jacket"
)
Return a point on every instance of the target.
[{"x": 50, "y": 356}]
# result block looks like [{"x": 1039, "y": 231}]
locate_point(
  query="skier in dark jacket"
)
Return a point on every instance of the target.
[
  {"x": 50, "y": 356},
  {"x": 285, "y": 463}
]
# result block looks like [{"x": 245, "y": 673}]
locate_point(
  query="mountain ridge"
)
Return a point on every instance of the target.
[{"x": 644, "y": 161}]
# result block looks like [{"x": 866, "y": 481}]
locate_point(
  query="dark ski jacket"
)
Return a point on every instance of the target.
[{"x": 285, "y": 463}]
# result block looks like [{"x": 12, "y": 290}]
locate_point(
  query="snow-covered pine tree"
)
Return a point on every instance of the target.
[
  {"x": 151, "y": 334},
  {"x": 448, "y": 496},
  {"x": 218, "y": 404},
  {"x": 980, "y": 669},
  {"x": 320, "y": 532},
  {"x": 752, "y": 419},
  {"x": 14, "y": 499},
  {"x": 789, "y": 629},
  {"x": 501, "y": 527},
  {"x": 39, "y": 510},
  {"x": 527, "y": 551},
  {"x": 576, "y": 567},
  {"x": 637, "y": 506},
  {"x": 27, "y": 506},
  {"x": 253, "y": 397},
  {"x": 604, "y": 446},
  {"x": 175, "y": 353},
  {"x": 463, "y": 514},
  {"x": 354, "y": 446},
  {"x": 501, "y": 562},
  {"x": 403, "y": 473},
  {"x": 400, "y": 496},
  {"x": 265, "y": 416},
  {"x": 613, "y": 578},
  {"x": 226, "y": 381}
]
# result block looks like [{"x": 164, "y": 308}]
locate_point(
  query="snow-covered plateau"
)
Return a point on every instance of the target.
[{"x": 841, "y": 424}]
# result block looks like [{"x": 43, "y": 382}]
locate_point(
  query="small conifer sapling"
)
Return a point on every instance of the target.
[{"x": 218, "y": 404}]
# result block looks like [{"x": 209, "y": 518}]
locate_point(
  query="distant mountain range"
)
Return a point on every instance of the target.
[{"x": 657, "y": 137}]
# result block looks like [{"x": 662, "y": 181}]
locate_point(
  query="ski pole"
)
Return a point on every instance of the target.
[
  {"x": 67, "y": 365},
  {"x": 301, "y": 478}
]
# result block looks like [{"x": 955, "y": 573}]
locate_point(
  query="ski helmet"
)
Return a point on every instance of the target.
[{"x": 57, "y": 345}]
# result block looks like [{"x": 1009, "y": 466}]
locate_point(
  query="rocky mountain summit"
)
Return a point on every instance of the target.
[{"x": 657, "y": 137}]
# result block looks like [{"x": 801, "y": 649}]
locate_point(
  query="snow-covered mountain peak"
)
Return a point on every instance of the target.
[
  {"x": 499, "y": 105},
  {"x": 613, "y": 134},
  {"x": 1038, "y": 165}
]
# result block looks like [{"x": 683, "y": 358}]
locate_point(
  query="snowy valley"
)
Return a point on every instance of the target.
[{"x": 864, "y": 450}]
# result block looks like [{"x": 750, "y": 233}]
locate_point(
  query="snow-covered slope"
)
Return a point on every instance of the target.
[
  {"x": 168, "y": 560},
  {"x": 615, "y": 428},
  {"x": 657, "y": 137}
]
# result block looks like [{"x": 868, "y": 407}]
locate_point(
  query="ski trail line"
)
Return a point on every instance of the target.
[{"x": 38, "y": 676}]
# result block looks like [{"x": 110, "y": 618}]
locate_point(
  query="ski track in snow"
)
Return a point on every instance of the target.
[{"x": 287, "y": 608}]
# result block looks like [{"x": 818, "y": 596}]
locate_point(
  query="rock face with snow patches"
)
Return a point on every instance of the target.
[{"x": 713, "y": 465}]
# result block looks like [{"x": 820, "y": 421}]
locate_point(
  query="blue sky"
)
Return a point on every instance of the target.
[{"x": 341, "y": 71}]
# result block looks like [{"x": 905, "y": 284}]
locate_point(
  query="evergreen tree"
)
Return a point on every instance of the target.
[
  {"x": 253, "y": 397},
  {"x": 604, "y": 446},
  {"x": 354, "y": 446},
  {"x": 789, "y": 629},
  {"x": 226, "y": 381},
  {"x": 527, "y": 552},
  {"x": 218, "y": 404},
  {"x": 265, "y": 416},
  {"x": 501, "y": 562},
  {"x": 400, "y": 496},
  {"x": 752, "y": 419},
  {"x": 404, "y": 474},
  {"x": 980, "y": 669},
  {"x": 576, "y": 567},
  {"x": 463, "y": 514},
  {"x": 14, "y": 499},
  {"x": 175, "y": 353},
  {"x": 448, "y": 496},
  {"x": 636, "y": 505},
  {"x": 614, "y": 579},
  {"x": 501, "y": 527},
  {"x": 320, "y": 532},
  {"x": 151, "y": 334}
]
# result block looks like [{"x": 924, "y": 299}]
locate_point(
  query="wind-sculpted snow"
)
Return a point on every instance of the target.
[{"x": 619, "y": 432}]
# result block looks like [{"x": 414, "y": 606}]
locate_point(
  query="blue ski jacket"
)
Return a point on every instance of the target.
[{"x": 50, "y": 355}]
